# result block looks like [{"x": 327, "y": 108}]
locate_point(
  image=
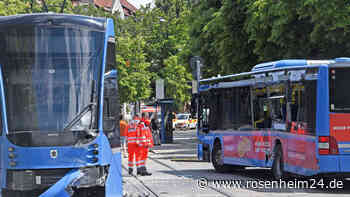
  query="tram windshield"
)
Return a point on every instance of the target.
[{"x": 51, "y": 76}]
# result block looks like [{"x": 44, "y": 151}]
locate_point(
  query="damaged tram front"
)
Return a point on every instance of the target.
[{"x": 57, "y": 138}]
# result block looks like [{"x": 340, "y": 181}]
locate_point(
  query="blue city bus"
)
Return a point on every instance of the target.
[
  {"x": 288, "y": 115},
  {"x": 59, "y": 107}
]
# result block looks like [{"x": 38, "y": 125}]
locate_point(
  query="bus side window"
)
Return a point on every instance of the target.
[
  {"x": 261, "y": 109},
  {"x": 204, "y": 113},
  {"x": 278, "y": 106},
  {"x": 303, "y": 107}
]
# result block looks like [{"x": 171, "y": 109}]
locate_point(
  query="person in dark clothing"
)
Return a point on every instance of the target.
[{"x": 155, "y": 124}]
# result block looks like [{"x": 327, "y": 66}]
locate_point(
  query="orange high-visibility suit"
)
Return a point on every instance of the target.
[
  {"x": 146, "y": 142},
  {"x": 149, "y": 144},
  {"x": 133, "y": 145},
  {"x": 141, "y": 144}
]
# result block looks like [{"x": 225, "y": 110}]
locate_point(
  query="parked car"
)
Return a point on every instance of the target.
[{"x": 184, "y": 121}]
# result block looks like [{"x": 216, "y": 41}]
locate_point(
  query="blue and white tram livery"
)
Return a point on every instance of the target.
[{"x": 59, "y": 129}]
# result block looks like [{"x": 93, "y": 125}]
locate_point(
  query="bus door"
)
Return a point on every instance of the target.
[
  {"x": 278, "y": 114},
  {"x": 301, "y": 123}
]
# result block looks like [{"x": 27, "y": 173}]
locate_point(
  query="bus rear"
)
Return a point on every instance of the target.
[{"x": 334, "y": 143}]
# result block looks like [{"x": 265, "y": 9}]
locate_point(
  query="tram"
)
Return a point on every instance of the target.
[{"x": 59, "y": 131}]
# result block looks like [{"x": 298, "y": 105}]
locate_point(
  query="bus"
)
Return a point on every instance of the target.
[
  {"x": 292, "y": 116},
  {"x": 59, "y": 107}
]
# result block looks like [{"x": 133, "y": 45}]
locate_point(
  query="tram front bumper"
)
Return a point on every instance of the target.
[{"x": 63, "y": 188}]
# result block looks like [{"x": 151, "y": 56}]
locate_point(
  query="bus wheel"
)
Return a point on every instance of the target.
[
  {"x": 277, "y": 165},
  {"x": 217, "y": 159}
]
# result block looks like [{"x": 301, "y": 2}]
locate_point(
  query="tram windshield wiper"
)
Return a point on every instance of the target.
[{"x": 78, "y": 117}]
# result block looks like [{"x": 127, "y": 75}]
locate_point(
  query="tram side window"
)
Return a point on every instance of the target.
[
  {"x": 302, "y": 107},
  {"x": 111, "y": 62},
  {"x": 111, "y": 112}
]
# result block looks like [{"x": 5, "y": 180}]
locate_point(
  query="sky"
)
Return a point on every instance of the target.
[{"x": 138, "y": 3}]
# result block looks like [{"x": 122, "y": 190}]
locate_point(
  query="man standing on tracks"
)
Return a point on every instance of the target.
[
  {"x": 123, "y": 135},
  {"x": 134, "y": 149},
  {"x": 146, "y": 141}
]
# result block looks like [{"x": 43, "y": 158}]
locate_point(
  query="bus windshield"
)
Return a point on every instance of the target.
[{"x": 50, "y": 80}]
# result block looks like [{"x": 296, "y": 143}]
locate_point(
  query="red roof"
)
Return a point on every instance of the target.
[
  {"x": 128, "y": 8},
  {"x": 104, "y": 3}
]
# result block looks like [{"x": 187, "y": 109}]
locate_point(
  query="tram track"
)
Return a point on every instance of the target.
[
  {"x": 179, "y": 174},
  {"x": 154, "y": 194}
]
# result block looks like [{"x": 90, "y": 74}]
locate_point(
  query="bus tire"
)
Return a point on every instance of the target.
[
  {"x": 217, "y": 161},
  {"x": 278, "y": 165}
]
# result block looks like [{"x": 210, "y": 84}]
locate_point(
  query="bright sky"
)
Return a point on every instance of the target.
[{"x": 138, "y": 3}]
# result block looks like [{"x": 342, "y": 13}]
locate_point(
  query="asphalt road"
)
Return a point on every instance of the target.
[{"x": 176, "y": 172}]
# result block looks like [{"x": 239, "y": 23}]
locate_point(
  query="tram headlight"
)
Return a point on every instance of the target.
[
  {"x": 13, "y": 163},
  {"x": 12, "y": 155},
  {"x": 92, "y": 176},
  {"x": 11, "y": 149}
]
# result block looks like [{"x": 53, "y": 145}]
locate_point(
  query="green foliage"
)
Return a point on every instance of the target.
[
  {"x": 164, "y": 29},
  {"x": 134, "y": 77},
  {"x": 177, "y": 78},
  {"x": 233, "y": 35},
  {"x": 11, "y": 7}
]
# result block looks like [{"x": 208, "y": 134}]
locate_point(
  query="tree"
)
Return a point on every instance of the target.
[
  {"x": 164, "y": 29},
  {"x": 12, "y": 7},
  {"x": 176, "y": 78},
  {"x": 134, "y": 77}
]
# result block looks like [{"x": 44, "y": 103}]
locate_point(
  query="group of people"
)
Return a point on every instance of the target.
[{"x": 138, "y": 137}]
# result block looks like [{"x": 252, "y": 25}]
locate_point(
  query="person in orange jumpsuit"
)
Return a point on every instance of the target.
[
  {"x": 134, "y": 150},
  {"x": 123, "y": 135},
  {"x": 145, "y": 119},
  {"x": 146, "y": 141}
]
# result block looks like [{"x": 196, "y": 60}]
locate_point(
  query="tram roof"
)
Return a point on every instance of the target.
[{"x": 96, "y": 23}]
